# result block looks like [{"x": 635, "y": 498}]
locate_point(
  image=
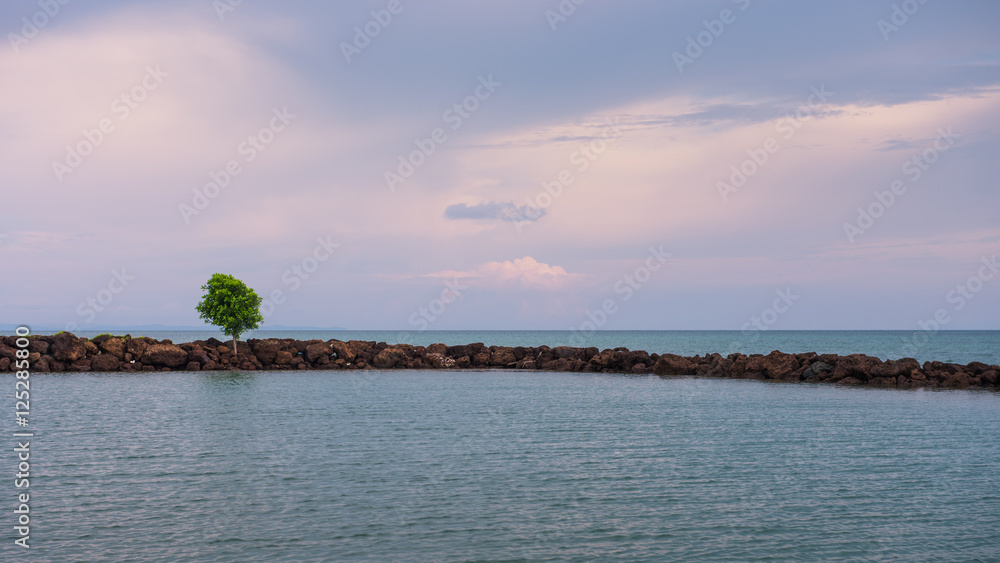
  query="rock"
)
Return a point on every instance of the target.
[
  {"x": 283, "y": 358},
  {"x": 193, "y": 366},
  {"x": 267, "y": 350},
  {"x": 38, "y": 345},
  {"x": 560, "y": 352},
  {"x": 439, "y": 361},
  {"x": 136, "y": 346},
  {"x": 956, "y": 381},
  {"x": 164, "y": 355},
  {"x": 113, "y": 346},
  {"x": 858, "y": 366},
  {"x": 780, "y": 366},
  {"x": 66, "y": 347},
  {"x": 5, "y": 364},
  {"x": 894, "y": 368},
  {"x": 463, "y": 362},
  {"x": 481, "y": 359},
  {"x": 816, "y": 370},
  {"x": 342, "y": 350},
  {"x": 199, "y": 356},
  {"x": 91, "y": 348},
  {"x": 318, "y": 350},
  {"x": 641, "y": 368},
  {"x": 502, "y": 356},
  {"x": 989, "y": 377},
  {"x": 389, "y": 358},
  {"x": 105, "y": 362},
  {"x": 80, "y": 365},
  {"x": 671, "y": 364}
]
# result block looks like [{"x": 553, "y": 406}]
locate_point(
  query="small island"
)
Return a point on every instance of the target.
[{"x": 65, "y": 352}]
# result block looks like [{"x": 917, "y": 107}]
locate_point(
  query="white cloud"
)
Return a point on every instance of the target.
[{"x": 524, "y": 271}]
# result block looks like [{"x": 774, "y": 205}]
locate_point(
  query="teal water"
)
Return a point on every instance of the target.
[
  {"x": 504, "y": 466},
  {"x": 957, "y": 346}
]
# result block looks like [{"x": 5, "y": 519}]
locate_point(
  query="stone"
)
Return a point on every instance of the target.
[
  {"x": 389, "y": 358},
  {"x": 267, "y": 350},
  {"x": 105, "y": 362},
  {"x": 164, "y": 355},
  {"x": 671, "y": 364},
  {"x": 342, "y": 350},
  {"x": 113, "y": 346},
  {"x": 38, "y": 345},
  {"x": 136, "y": 346},
  {"x": 816, "y": 370},
  {"x": 318, "y": 350},
  {"x": 780, "y": 366},
  {"x": 66, "y": 347},
  {"x": 501, "y": 356}
]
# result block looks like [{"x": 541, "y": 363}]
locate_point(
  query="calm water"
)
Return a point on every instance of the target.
[
  {"x": 958, "y": 346},
  {"x": 462, "y": 466}
]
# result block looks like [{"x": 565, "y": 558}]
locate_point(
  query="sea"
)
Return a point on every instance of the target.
[{"x": 508, "y": 466}]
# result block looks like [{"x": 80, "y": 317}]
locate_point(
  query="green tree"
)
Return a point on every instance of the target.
[{"x": 230, "y": 305}]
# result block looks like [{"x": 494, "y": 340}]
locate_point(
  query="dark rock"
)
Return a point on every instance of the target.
[
  {"x": 166, "y": 355},
  {"x": 192, "y": 366},
  {"x": 501, "y": 356},
  {"x": 199, "y": 356},
  {"x": 777, "y": 365},
  {"x": 267, "y": 350},
  {"x": 113, "y": 346},
  {"x": 38, "y": 345},
  {"x": 463, "y": 362},
  {"x": 318, "y": 350},
  {"x": 342, "y": 350},
  {"x": 389, "y": 358},
  {"x": 641, "y": 368},
  {"x": 100, "y": 338},
  {"x": 671, "y": 364},
  {"x": 989, "y": 377},
  {"x": 816, "y": 370},
  {"x": 105, "y": 362},
  {"x": 283, "y": 358},
  {"x": 135, "y": 346},
  {"x": 481, "y": 359},
  {"x": 956, "y": 381},
  {"x": 66, "y": 347},
  {"x": 80, "y": 365}
]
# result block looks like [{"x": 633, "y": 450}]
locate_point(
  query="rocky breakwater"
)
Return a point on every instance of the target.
[{"x": 65, "y": 352}]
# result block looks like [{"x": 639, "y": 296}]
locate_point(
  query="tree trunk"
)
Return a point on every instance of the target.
[{"x": 235, "y": 348}]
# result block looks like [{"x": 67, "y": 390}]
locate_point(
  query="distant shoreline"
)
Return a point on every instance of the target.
[{"x": 65, "y": 352}]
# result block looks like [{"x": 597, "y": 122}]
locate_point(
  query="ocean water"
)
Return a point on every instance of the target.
[
  {"x": 503, "y": 466},
  {"x": 958, "y": 346}
]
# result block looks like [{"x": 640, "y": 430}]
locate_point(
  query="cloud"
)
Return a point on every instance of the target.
[
  {"x": 504, "y": 211},
  {"x": 524, "y": 271}
]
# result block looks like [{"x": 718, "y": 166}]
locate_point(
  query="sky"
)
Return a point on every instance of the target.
[{"x": 514, "y": 164}]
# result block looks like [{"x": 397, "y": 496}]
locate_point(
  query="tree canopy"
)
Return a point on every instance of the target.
[{"x": 230, "y": 305}]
